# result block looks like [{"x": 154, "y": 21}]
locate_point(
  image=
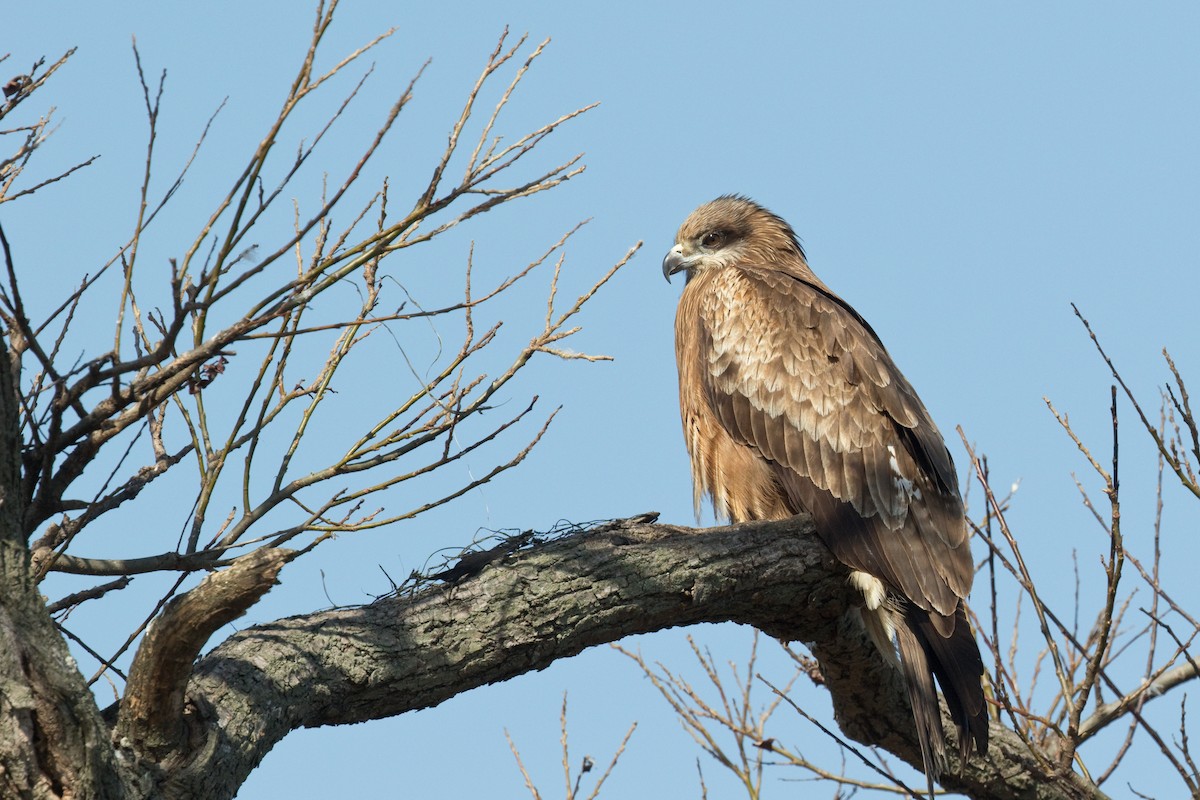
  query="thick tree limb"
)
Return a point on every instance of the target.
[{"x": 550, "y": 602}]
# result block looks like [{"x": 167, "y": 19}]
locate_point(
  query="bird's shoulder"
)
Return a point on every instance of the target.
[
  {"x": 782, "y": 345},
  {"x": 782, "y": 326}
]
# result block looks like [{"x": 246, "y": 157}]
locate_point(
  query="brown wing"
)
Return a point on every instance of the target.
[{"x": 794, "y": 374}]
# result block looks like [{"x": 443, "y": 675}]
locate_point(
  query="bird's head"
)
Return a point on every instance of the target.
[{"x": 732, "y": 230}]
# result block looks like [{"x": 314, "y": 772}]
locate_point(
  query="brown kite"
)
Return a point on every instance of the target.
[{"x": 791, "y": 404}]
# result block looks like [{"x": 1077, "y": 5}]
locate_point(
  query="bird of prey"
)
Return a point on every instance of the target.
[{"x": 790, "y": 404}]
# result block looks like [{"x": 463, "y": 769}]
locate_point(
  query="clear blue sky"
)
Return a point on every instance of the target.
[{"x": 959, "y": 173}]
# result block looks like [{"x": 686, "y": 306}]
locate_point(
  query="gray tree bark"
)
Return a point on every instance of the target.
[
  {"x": 550, "y": 602},
  {"x": 53, "y": 742}
]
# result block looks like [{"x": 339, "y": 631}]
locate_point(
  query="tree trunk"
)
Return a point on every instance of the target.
[{"x": 53, "y": 743}]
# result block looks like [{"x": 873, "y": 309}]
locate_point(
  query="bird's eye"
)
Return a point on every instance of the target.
[{"x": 713, "y": 239}]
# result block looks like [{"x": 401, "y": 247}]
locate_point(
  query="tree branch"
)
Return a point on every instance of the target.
[
  {"x": 1117, "y": 709},
  {"x": 521, "y": 614},
  {"x": 152, "y": 709}
]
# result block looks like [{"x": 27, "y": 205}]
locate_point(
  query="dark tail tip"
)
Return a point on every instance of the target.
[{"x": 955, "y": 660}]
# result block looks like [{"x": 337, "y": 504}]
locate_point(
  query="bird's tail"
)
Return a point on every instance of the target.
[{"x": 925, "y": 651}]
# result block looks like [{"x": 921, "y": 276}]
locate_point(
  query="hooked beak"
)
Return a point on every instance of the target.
[{"x": 674, "y": 262}]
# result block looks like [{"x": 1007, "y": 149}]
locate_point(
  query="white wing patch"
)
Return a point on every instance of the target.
[{"x": 906, "y": 490}]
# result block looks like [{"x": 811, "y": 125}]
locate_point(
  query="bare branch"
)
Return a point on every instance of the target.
[{"x": 76, "y": 598}]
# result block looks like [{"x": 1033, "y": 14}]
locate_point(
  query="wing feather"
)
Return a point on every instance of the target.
[{"x": 796, "y": 375}]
